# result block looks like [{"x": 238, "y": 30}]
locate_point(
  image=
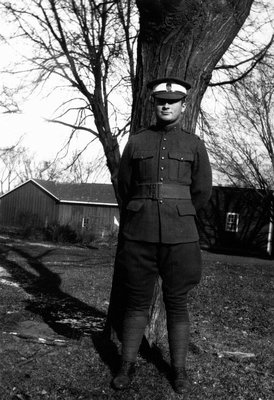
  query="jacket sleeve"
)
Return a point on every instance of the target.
[{"x": 201, "y": 185}]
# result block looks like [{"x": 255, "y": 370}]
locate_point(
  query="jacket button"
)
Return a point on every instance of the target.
[
  {"x": 163, "y": 148},
  {"x": 162, "y": 158},
  {"x": 161, "y": 201},
  {"x": 161, "y": 179},
  {"x": 162, "y": 168}
]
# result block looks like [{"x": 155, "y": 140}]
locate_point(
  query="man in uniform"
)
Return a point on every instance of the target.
[{"x": 164, "y": 178}]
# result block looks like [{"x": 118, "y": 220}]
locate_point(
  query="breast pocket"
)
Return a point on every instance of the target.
[
  {"x": 179, "y": 168},
  {"x": 143, "y": 165}
]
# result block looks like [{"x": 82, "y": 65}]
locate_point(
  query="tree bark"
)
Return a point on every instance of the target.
[{"x": 183, "y": 38}]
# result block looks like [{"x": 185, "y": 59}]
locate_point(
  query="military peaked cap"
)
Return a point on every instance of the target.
[{"x": 169, "y": 88}]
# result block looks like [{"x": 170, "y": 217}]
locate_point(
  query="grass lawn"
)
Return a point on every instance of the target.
[{"x": 53, "y": 304}]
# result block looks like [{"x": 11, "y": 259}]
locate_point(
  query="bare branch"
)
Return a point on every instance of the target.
[{"x": 256, "y": 59}]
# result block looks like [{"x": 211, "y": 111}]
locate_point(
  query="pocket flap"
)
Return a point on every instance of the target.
[
  {"x": 186, "y": 209},
  {"x": 135, "y": 205},
  {"x": 143, "y": 154},
  {"x": 176, "y": 155}
]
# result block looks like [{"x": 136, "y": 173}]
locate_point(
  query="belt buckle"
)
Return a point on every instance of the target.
[{"x": 155, "y": 190}]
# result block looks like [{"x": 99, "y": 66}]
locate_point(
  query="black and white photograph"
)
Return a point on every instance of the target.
[{"x": 136, "y": 200}]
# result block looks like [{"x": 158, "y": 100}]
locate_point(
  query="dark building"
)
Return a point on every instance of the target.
[{"x": 238, "y": 220}]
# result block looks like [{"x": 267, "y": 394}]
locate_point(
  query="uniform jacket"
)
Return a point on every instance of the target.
[{"x": 170, "y": 158}]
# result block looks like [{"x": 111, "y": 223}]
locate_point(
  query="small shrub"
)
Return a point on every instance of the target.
[
  {"x": 28, "y": 223},
  {"x": 86, "y": 236},
  {"x": 60, "y": 233}
]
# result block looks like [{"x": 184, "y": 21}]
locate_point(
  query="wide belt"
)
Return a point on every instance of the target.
[{"x": 161, "y": 191}]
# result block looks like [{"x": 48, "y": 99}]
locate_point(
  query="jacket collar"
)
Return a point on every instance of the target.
[{"x": 171, "y": 127}]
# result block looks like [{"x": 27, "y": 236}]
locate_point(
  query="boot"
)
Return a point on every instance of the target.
[
  {"x": 133, "y": 330},
  {"x": 178, "y": 335},
  {"x": 124, "y": 376},
  {"x": 181, "y": 383}
]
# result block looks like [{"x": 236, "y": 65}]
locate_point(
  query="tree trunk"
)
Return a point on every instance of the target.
[
  {"x": 107, "y": 139},
  {"x": 112, "y": 152},
  {"x": 183, "y": 38}
]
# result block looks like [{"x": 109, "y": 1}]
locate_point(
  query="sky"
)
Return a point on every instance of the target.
[
  {"x": 43, "y": 138},
  {"x": 37, "y": 134}
]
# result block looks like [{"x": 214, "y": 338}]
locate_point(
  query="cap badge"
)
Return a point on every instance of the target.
[{"x": 168, "y": 87}]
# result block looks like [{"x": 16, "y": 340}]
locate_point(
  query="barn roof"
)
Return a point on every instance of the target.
[{"x": 96, "y": 193}]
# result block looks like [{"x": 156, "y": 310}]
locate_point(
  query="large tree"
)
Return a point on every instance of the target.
[{"x": 185, "y": 39}]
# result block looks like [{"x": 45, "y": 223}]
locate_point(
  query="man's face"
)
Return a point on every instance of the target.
[{"x": 168, "y": 111}]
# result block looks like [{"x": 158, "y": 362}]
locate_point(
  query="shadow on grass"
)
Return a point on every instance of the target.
[
  {"x": 57, "y": 309},
  {"x": 60, "y": 310}
]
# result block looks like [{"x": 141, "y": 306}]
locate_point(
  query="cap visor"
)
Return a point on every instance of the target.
[{"x": 169, "y": 96}]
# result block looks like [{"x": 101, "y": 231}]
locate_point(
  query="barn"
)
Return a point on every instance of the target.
[{"x": 83, "y": 206}]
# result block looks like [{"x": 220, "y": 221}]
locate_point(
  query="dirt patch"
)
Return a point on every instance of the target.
[{"x": 53, "y": 304}]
